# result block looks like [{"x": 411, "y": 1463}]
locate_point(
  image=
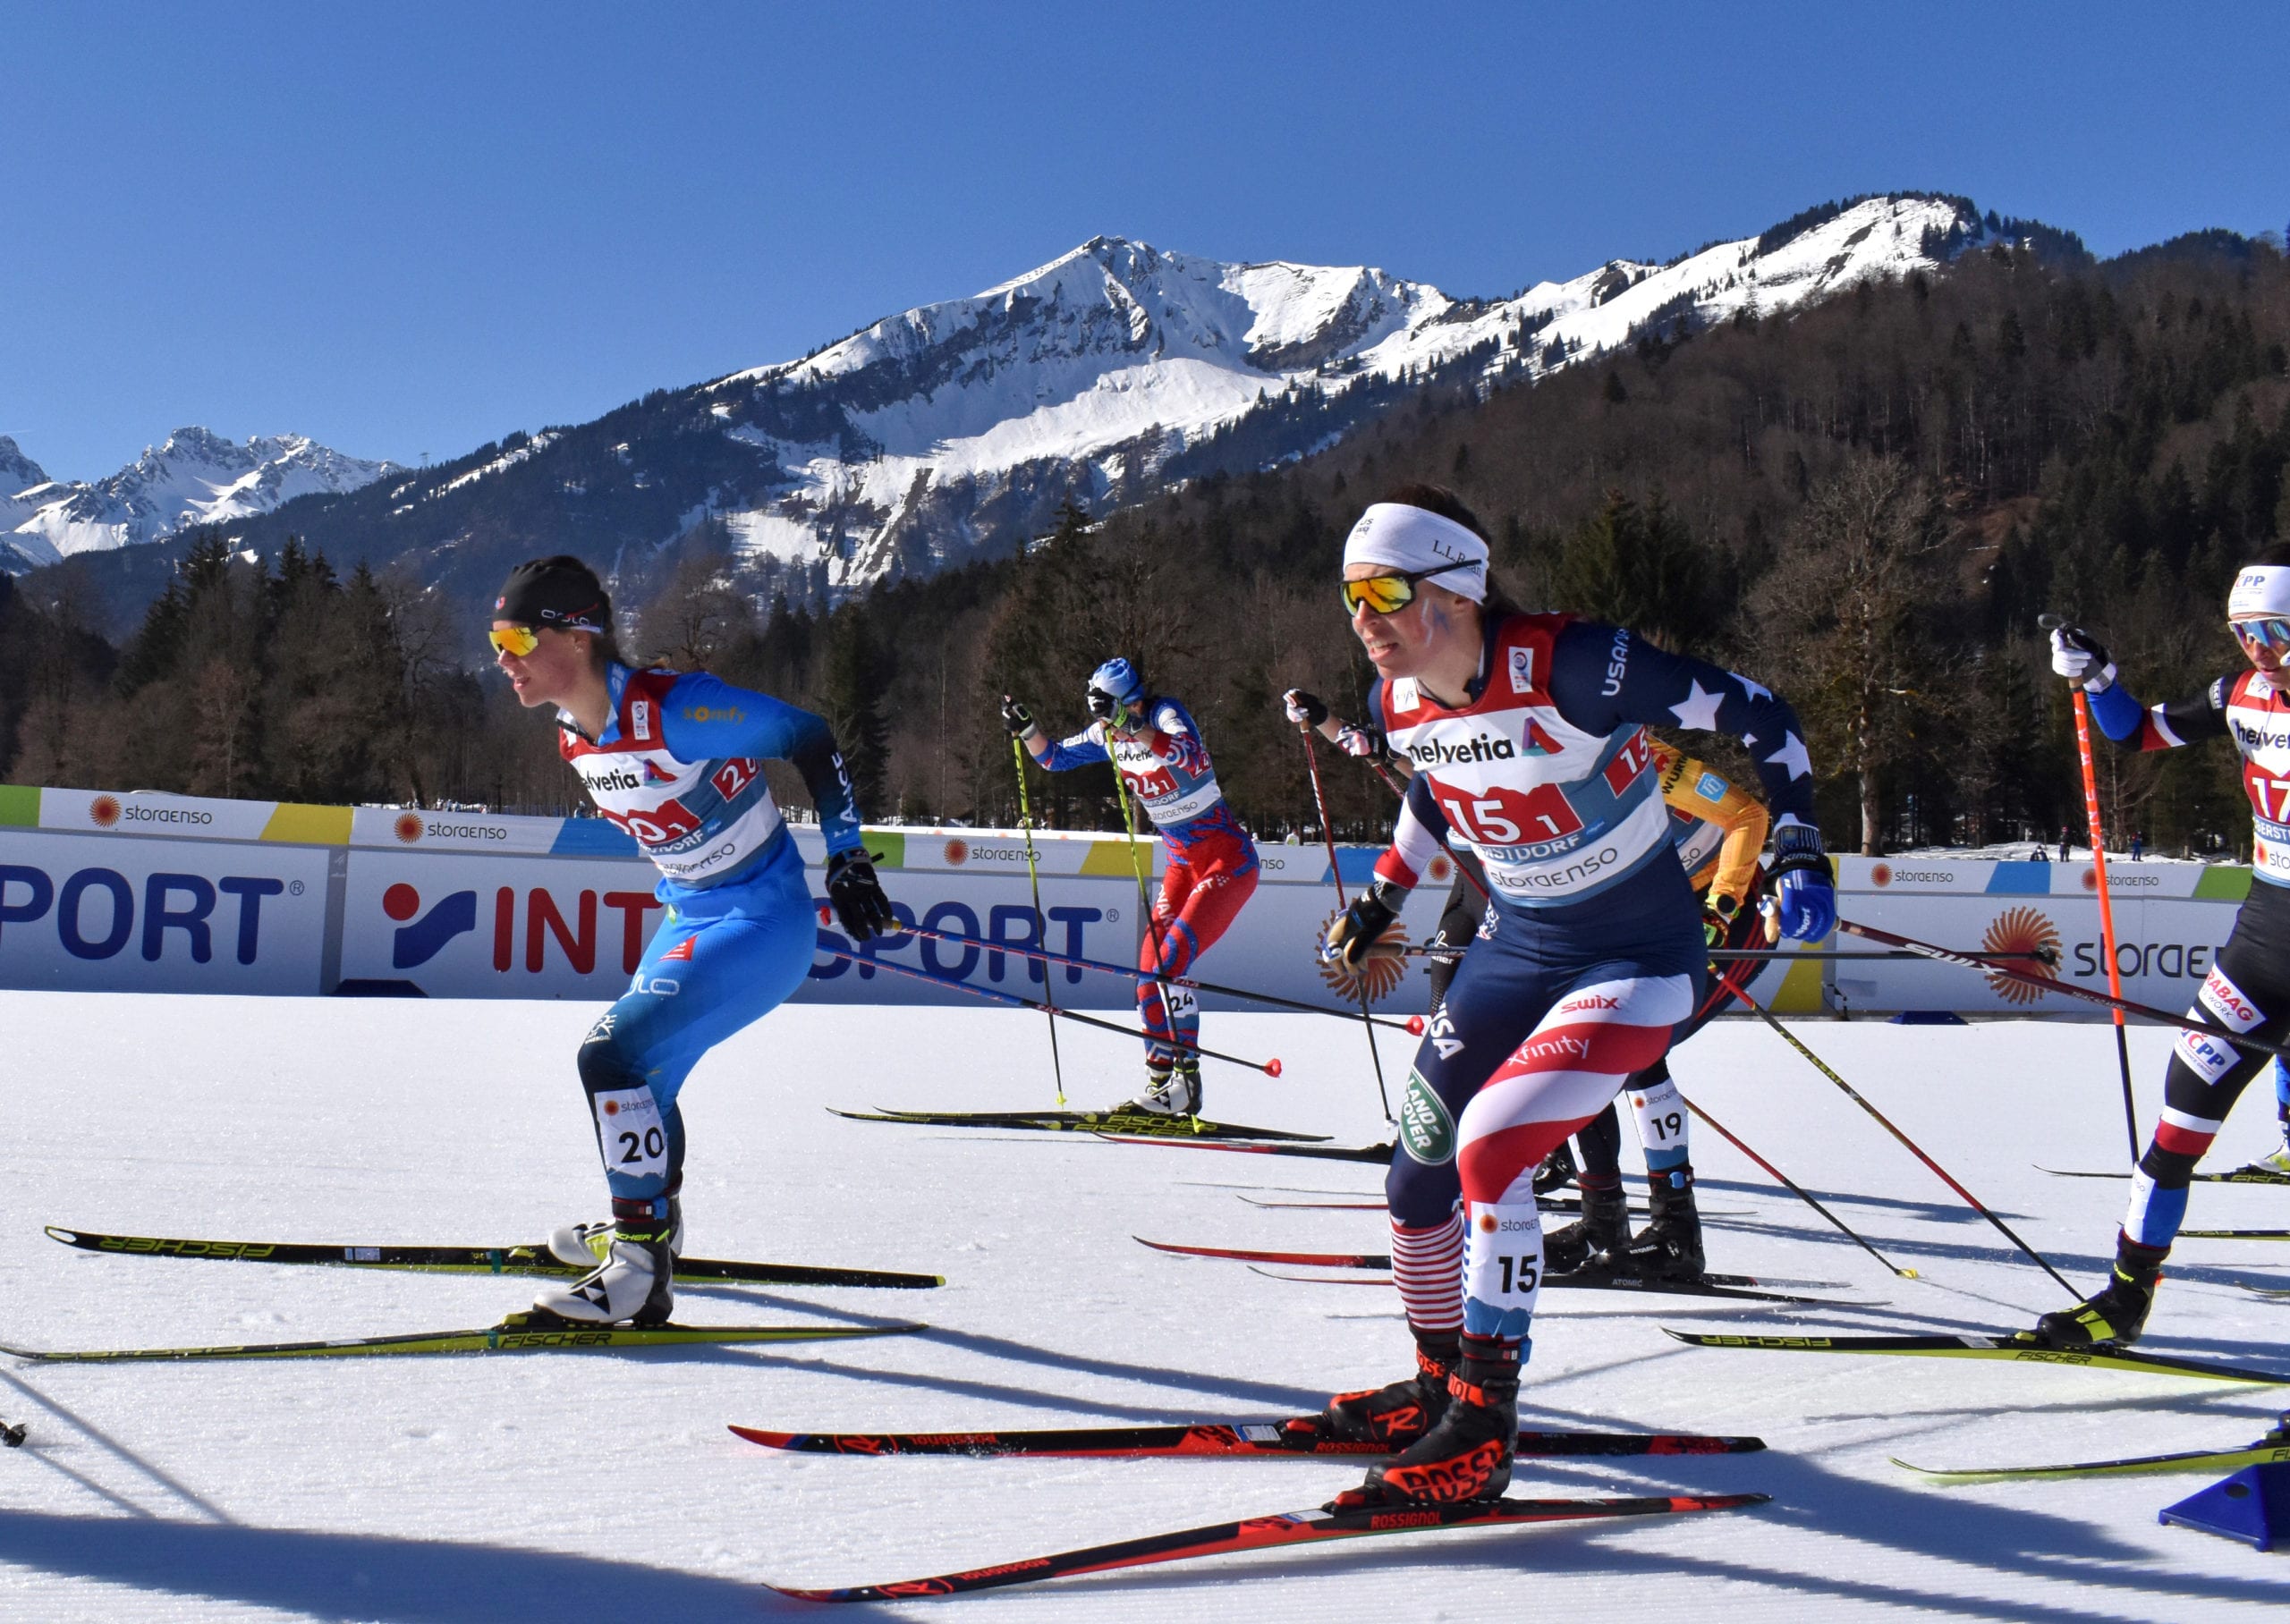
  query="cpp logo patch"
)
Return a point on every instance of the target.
[{"x": 422, "y": 940}]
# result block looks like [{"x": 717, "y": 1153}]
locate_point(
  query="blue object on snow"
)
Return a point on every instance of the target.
[
  {"x": 2252, "y": 1506},
  {"x": 1928, "y": 1018}
]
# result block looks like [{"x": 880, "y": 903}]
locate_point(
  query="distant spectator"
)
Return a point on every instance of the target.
[
  {"x": 2063, "y": 848},
  {"x": 2138, "y": 846}
]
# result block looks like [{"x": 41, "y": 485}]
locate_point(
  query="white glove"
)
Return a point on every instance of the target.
[{"x": 2077, "y": 655}]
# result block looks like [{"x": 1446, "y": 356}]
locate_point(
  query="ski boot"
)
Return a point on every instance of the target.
[
  {"x": 635, "y": 1284},
  {"x": 584, "y": 1246},
  {"x": 1172, "y": 1088},
  {"x": 2118, "y": 1313},
  {"x": 1599, "y": 1239},
  {"x": 1396, "y": 1416},
  {"x": 1670, "y": 1247},
  {"x": 1556, "y": 1171},
  {"x": 1467, "y": 1456}
]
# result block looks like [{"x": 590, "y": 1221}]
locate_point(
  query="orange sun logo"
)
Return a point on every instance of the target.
[
  {"x": 407, "y": 828},
  {"x": 2022, "y": 930},
  {"x": 1382, "y": 974},
  {"x": 102, "y": 811}
]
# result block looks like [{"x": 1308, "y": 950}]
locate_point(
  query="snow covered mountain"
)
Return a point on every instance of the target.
[
  {"x": 904, "y": 445},
  {"x": 195, "y": 477},
  {"x": 955, "y": 430}
]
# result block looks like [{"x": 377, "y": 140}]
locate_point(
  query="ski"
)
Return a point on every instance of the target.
[
  {"x": 1271, "y": 1533},
  {"x": 2240, "y": 1175},
  {"x": 2273, "y": 1447},
  {"x": 2103, "y": 1355},
  {"x": 1382, "y": 1260},
  {"x": 534, "y": 1332},
  {"x": 536, "y": 1260},
  {"x": 1342, "y": 1207},
  {"x": 2235, "y": 1234},
  {"x": 2251, "y": 1285},
  {"x": 1138, "y": 1124},
  {"x": 1222, "y": 1440},
  {"x": 1379, "y": 1154},
  {"x": 1610, "y": 1282}
]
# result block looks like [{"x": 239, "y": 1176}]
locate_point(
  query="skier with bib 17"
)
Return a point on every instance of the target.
[
  {"x": 1156, "y": 745},
  {"x": 2248, "y": 988},
  {"x": 1528, "y": 732},
  {"x": 675, "y": 759}
]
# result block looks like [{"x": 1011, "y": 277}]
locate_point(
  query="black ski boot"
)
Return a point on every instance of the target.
[
  {"x": 1467, "y": 1456},
  {"x": 1670, "y": 1247},
  {"x": 2118, "y": 1313},
  {"x": 1556, "y": 1171},
  {"x": 1396, "y": 1416},
  {"x": 1599, "y": 1239}
]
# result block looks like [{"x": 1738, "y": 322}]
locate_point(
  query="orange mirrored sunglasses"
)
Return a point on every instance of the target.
[{"x": 518, "y": 641}]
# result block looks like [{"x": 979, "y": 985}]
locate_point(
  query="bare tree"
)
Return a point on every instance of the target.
[{"x": 1852, "y": 617}]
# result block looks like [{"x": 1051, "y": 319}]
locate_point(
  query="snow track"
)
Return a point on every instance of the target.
[{"x": 576, "y": 1486}]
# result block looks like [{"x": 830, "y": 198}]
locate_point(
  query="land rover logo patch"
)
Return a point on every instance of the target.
[{"x": 1426, "y": 1131}]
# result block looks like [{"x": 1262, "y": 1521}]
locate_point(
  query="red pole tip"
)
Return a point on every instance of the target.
[
  {"x": 826, "y": 915},
  {"x": 1415, "y": 1025},
  {"x": 1272, "y": 1066}
]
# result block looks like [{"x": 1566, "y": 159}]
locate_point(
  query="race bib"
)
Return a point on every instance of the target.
[{"x": 634, "y": 1140}]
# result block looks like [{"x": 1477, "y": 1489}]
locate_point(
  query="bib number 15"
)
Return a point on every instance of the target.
[{"x": 1509, "y": 817}]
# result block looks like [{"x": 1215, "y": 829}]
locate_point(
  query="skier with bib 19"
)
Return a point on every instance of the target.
[
  {"x": 1528, "y": 732},
  {"x": 1156, "y": 745},
  {"x": 2248, "y": 988},
  {"x": 676, "y": 759}
]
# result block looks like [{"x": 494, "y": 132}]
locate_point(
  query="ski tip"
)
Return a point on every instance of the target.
[
  {"x": 1718, "y": 1503},
  {"x": 810, "y": 1595},
  {"x": 770, "y": 1441},
  {"x": 70, "y": 1238}
]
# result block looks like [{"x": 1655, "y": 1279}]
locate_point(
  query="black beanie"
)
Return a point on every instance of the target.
[{"x": 560, "y": 592}]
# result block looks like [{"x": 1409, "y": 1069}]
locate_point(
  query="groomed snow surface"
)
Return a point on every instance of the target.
[{"x": 469, "y": 1490}]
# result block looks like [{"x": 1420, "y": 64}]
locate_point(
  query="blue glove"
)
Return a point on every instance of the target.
[{"x": 1801, "y": 883}]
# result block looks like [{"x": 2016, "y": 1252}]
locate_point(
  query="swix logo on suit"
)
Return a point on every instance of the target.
[
  {"x": 1556, "y": 819},
  {"x": 697, "y": 821}
]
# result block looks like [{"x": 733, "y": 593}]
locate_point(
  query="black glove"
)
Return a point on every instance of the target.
[
  {"x": 858, "y": 896},
  {"x": 1305, "y": 710},
  {"x": 1370, "y": 914},
  {"x": 1717, "y": 915},
  {"x": 1016, "y": 717}
]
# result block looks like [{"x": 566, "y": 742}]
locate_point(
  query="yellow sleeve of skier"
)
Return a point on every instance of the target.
[{"x": 1692, "y": 789}]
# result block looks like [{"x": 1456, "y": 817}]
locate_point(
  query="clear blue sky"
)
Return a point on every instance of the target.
[{"x": 403, "y": 228}]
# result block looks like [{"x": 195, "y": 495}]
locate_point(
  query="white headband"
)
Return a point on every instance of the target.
[
  {"x": 2260, "y": 592},
  {"x": 1413, "y": 541}
]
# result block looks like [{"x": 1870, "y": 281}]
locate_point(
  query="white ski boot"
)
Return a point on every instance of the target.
[
  {"x": 634, "y": 1284},
  {"x": 584, "y": 1246},
  {"x": 1170, "y": 1090}
]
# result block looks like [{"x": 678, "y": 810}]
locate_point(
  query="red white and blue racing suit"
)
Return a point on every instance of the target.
[
  {"x": 2248, "y": 988},
  {"x": 1212, "y": 868},
  {"x": 1592, "y": 952},
  {"x": 680, "y": 767}
]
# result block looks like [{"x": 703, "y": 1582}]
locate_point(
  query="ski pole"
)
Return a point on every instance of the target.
[
  {"x": 1152, "y": 931},
  {"x": 1041, "y": 920},
  {"x": 1852, "y": 1093},
  {"x": 1777, "y": 953},
  {"x": 2106, "y": 900},
  {"x": 1335, "y": 872},
  {"x": 1843, "y": 1228},
  {"x": 1413, "y": 1025},
  {"x": 2145, "y": 1012},
  {"x": 1270, "y": 1067}
]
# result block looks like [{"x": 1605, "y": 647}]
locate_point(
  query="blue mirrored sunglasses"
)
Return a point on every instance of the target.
[{"x": 2273, "y": 633}]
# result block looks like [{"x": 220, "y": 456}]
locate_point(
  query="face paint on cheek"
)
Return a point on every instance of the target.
[{"x": 1437, "y": 620}]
